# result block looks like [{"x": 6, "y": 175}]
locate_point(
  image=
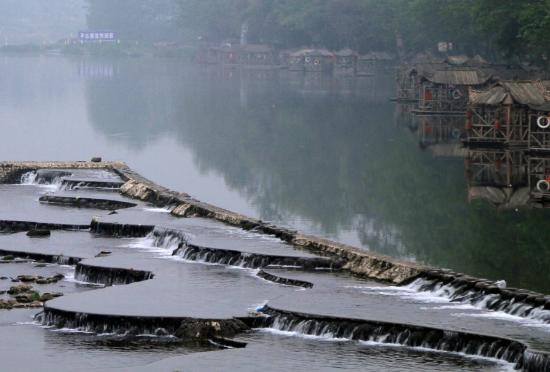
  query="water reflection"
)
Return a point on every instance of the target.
[{"x": 328, "y": 155}]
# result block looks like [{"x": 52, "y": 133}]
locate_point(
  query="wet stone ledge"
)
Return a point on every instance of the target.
[
  {"x": 185, "y": 328},
  {"x": 284, "y": 281},
  {"x": 11, "y": 171},
  {"x": 483, "y": 293},
  {"x": 120, "y": 230},
  {"x": 252, "y": 260},
  {"x": 43, "y": 257},
  {"x": 403, "y": 334},
  {"x": 8, "y": 226},
  {"x": 109, "y": 276},
  {"x": 76, "y": 184},
  {"x": 78, "y": 202},
  {"x": 359, "y": 262}
]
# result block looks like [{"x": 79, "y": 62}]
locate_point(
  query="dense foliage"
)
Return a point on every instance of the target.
[
  {"x": 500, "y": 29},
  {"x": 512, "y": 29}
]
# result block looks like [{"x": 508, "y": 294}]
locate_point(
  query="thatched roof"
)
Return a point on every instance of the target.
[
  {"x": 347, "y": 52},
  {"x": 312, "y": 52},
  {"x": 535, "y": 94},
  {"x": 457, "y": 76},
  {"x": 457, "y": 60}
]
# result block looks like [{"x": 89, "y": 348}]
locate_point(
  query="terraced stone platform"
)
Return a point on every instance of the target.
[{"x": 173, "y": 269}]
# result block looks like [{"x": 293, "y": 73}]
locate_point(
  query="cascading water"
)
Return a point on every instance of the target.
[
  {"x": 29, "y": 178},
  {"x": 167, "y": 238},
  {"x": 48, "y": 179},
  {"x": 110, "y": 275},
  {"x": 487, "y": 297},
  {"x": 250, "y": 260},
  {"x": 370, "y": 332}
]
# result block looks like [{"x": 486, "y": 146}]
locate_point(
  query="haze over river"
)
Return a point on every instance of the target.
[{"x": 322, "y": 155}]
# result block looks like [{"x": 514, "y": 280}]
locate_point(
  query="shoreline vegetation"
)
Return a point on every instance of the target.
[{"x": 503, "y": 31}]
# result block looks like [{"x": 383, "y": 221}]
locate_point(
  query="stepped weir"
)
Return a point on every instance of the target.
[{"x": 160, "y": 281}]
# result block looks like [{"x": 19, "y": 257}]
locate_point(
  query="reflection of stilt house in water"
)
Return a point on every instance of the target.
[
  {"x": 345, "y": 62},
  {"x": 445, "y": 91},
  {"x": 373, "y": 63},
  {"x": 498, "y": 176},
  {"x": 511, "y": 113},
  {"x": 539, "y": 180},
  {"x": 439, "y": 129}
]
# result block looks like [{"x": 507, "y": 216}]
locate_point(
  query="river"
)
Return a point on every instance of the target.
[{"x": 322, "y": 155}]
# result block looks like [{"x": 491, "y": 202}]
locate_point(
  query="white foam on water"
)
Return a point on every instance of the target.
[
  {"x": 70, "y": 277},
  {"x": 158, "y": 210},
  {"x": 507, "y": 366},
  {"x": 251, "y": 271},
  {"x": 248, "y": 234},
  {"x": 450, "y": 307},
  {"x": 30, "y": 179},
  {"x": 279, "y": 332}
]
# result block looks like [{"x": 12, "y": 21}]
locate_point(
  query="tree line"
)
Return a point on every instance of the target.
[{"x": 500, "y": 29}]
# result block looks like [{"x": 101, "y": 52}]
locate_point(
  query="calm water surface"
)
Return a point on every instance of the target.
[{"x": 326, "y": 156}]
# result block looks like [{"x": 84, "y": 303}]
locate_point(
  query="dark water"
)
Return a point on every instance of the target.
[{"x": 325, "y": 156}]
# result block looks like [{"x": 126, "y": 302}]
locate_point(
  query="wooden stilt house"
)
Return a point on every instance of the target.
[
  {"x": 513, "y": 113},
  {"x": 445, "y": 91},
  {"x": 345, "y": 62}
]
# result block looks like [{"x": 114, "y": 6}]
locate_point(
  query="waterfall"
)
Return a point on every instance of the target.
[
  {"x": 250, "y": 260},
  {"x": 51, "y": 178},
  {"x": 167, "y": 238},
  {"x": 405, "y": 335},
  {"x": 486, "y": 296},
  {"x": 120, "y": 230},
  {"x": 109, "y": 275}
]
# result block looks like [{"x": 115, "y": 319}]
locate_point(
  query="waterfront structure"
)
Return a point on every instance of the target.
[
  {"x": 345, "y": 62},
  {"x": 511, "y": 113},
  {"x": 445, "y": 91}
]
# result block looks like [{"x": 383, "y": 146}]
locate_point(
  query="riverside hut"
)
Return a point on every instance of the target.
[
  {"x": 408, "y": 79},
  {"x": 445, "y": 91},
  {"x": 312, "y": 60},
  {"x": 511, "y": 113},
  {"x": 345, "y": 62}
]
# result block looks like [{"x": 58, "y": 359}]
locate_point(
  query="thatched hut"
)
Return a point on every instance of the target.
[
  {"x": 445, "y": 91},
  {"x": 511, "y": 113},
  {"x": 345, "y": 62}
]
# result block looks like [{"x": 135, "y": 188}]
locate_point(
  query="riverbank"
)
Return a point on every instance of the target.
[{"x": 357, "y": 261}]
